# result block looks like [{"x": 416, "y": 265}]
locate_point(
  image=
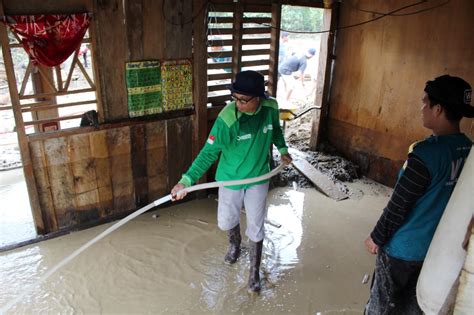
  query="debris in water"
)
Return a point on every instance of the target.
[
  {"x": 273, "y": 223},
  {"x": 365, "y": 279},
  {"x": 202, "y": 221}
]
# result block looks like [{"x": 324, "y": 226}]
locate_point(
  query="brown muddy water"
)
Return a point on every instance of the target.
[{"x": 170, "y": 261}]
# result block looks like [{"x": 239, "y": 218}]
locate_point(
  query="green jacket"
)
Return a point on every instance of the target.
[{"x": 243, "y": 142}]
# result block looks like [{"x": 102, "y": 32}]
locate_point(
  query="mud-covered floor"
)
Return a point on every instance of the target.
[{"x": 313, "y": 261}]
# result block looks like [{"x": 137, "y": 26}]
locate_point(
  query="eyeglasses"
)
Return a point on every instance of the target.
[{"x": 242, "y": 101}]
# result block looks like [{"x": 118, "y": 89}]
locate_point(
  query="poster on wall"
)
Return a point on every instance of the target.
[
  {"x": 154, "y": 87},
  {"x": 144, "y": 90},
  {"x": 177, "y": 83}
]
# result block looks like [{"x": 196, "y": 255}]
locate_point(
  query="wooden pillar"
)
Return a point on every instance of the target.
[
  {"x": 199, "y": 76},
  {"x": 274, "y": 49},
  {"x": 42, "y": 79},
  {"x": 326, "y": 65},
  {"x": 237, "y": 38},
  {"x": 20, "y": 129}
]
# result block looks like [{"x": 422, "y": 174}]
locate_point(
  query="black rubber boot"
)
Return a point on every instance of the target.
[
  {"x": 255, "y": 259},
  {"x": 234, "y": 245}
]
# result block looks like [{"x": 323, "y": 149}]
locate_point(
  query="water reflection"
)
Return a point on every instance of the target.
[
  {"x": 225, "y": 287},
  {"x": 16, "y": 221}
]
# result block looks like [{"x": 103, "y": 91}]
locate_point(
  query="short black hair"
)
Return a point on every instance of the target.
[{"x": 450, "y": 114}]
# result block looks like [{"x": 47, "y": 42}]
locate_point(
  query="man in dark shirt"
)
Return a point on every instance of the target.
[
  {"x": 403, "y": 233},
  {"x": 293, "y": 64}
]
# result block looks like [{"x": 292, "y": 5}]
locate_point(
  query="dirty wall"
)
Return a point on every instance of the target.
[
  {"x": 381, "y": 70},
  {"x": 87, "y": 175}
]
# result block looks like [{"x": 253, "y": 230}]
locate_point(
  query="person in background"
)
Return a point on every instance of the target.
[
  {"x": 241, "y": 138},
  {"x": 292, "y": 64},
  {"x": 83, "y": 51},
  {"x": 403, "y": 233},
  {"x": 283, "y": 51}
]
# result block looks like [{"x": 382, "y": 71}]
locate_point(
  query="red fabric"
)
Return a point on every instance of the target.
[{"x": 49, "y": 39}]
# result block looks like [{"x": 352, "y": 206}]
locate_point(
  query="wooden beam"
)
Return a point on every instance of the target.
[
  {"x": 199, "y": 78},
  {"x": 111, "y": 58},
  {"x": 94, "y": 42},
  {"x": 220, "y": 20},
  {"x": 274, "y": 48},
  {"x": 256, "y": 30},
  {"x": 217, "y": 87},
  {"x": 139, "y": 164},
  {"x": 254, "y": 63},
  {"x": 48, "y": 105},
  {"x": 219, "y": 42},
  {"x": 255, "y": 52},
  {"x": 179, "y": 146},
  {"x": 220, "y": 54},
  {"x": 326, "y": 64},
  {"x": 220, "y": 65},
  {"x": 20, "y": 129},
  {"x": 218, "y": 100},
  {"x": 219, "y": 76},
  {"x": 257, "y": 20},
  {"x": 26, "y": 77},
  {"x": 319, "y": 179},
  {"x": 113, "y": 125},
  {"x": 223, "y": 31},
  {"x": 134, "y": 27},
  {"x": 256, "y": 41},
  {"x": 237, "y": 37},
  {"x": 42, "y": 121},
  {"x": 60, "y": 93},
  {"x": 258, "y": 8}
]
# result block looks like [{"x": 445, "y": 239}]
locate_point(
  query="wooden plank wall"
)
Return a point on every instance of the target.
[
  {"x": 86, "y": 176},
  {"x": 380, "y": 73}
]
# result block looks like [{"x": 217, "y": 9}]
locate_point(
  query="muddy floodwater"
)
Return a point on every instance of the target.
[{"x": 170, "y": 261}]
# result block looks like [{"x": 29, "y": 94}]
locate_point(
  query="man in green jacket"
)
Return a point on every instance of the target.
[{"x": 241, "y": 138}]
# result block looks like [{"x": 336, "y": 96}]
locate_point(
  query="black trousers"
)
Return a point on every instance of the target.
[{"x": 393, "y": 289}]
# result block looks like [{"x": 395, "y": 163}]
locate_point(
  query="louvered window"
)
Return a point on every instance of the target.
[{"x": 239, "y": 38}]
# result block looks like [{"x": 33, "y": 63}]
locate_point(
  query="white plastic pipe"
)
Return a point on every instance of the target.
[{"x": 131, "y": 216}]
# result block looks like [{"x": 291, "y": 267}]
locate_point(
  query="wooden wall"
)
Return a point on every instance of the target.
[
  {"x": 85, "y": 175},
  {"x": 135, "y": 30},
  {"x": 381, "y": 70}
]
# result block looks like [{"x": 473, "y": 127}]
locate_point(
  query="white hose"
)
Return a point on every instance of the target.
[{"x": 128, "y": 218}]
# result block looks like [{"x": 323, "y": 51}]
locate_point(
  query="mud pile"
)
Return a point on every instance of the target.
[{"x": 297, "y": 134}]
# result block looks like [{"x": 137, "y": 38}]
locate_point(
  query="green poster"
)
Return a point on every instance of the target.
[
  {"x": 144, "y": 88},
  {"x": 154, "y": 87}
]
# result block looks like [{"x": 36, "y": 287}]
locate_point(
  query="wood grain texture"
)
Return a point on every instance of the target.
[
  {"x": 111, "y": 37},
  {"x": 118, "y": 142},
  {"x": 178, "y": 26},
  {"x": 61, "y": 180},
  {"x": 134, "y": 24},
  {"x": 179, "y": 144},
  {"x": 154, "y": 30},
  {"x": 138, "y": 142},
  {"x": 382, "y": 68}
]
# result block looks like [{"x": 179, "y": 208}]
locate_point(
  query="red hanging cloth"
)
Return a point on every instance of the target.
[{"x": 49, "y": 39}]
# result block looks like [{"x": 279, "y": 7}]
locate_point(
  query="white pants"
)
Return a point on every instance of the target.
[{"x": 254, "y": 199}]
